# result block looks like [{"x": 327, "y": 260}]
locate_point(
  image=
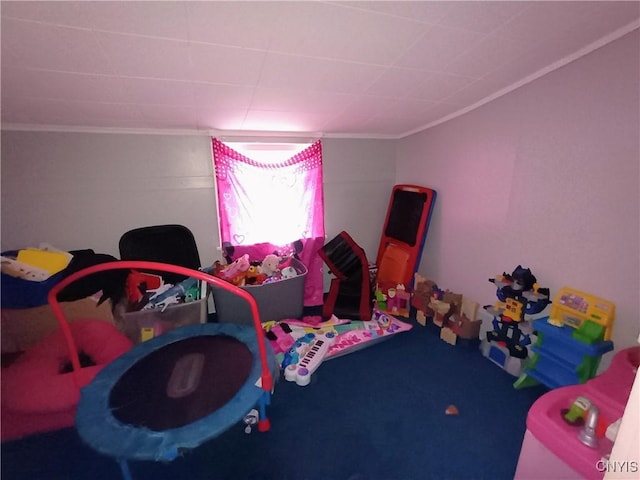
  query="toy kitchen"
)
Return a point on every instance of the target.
[{"x": 571, "y": 429}]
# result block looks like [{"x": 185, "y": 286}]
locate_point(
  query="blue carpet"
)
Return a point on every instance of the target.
[{"x": 376, "y": 414}]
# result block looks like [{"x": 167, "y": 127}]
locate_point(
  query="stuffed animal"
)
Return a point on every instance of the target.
[
  {"x": 236, "y": 269},
  {"x": 269, "y": 265},
  {"x": 253, "y": 276},
  {"x": 289, "y": 272}
]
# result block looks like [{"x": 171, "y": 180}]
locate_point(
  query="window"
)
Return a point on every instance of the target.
[{"x": 270, "y": 199}]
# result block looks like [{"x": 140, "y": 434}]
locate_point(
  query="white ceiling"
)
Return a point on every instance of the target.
[{"x": 381, "y": 69}]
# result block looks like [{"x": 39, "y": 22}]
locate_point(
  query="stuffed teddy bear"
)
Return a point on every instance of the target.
[{"x": 269, "y": 265}]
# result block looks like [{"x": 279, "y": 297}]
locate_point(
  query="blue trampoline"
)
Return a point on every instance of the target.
[{"x": 173, "y": 392}]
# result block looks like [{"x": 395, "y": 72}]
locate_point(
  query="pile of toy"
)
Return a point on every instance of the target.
[
  {"x": 243, "y": 271},
  {"x": 145, "y": 291},
  {"x": 458, "y": 318},
  {"x": 395, "y": 301},
  {"x": 454, "y": 315},
  {"x": 301, "y": 347},
  {"x": 35, "y": 264},
  {"x": 150, "y": 291}
]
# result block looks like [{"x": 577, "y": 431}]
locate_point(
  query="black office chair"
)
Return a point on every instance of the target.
[{"x": 173, "y": 244}]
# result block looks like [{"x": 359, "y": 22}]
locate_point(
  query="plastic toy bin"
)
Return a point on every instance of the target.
[
  {"x": 276, "y": 301},
  {"x": 146, "y": 324}
]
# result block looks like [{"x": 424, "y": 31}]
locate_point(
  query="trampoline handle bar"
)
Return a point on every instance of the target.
[{"x": 82, "y": 380}]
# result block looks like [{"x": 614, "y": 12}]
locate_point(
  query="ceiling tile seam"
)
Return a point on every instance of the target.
[
  {"x": 237, "y": 47},
  {"x": 191, "y": 81},
  {"x": 534, "y": 76},
  {"x": 357, "y": 97},
  {"x": 103, "y": 51},
  {"x": 344, "y": 110},
  {"x": 415, "y": 69},
  {"x": 94, "y": 29},
  {"x": 199, "y": 42},
  {"x": 255, "y": 87},
  {"x": 42, "y": 22},
  {"x": 375, "y": 79},
  {"x": 490, "y": 72},
  {"x": 133, "y": 77},
  {"x": 394, "y": 64},
  {"x": 487, "y": 36},
  {"x": 434, "y": 23},
  {"x": 575, "y": 55},
  {"x": 97, "y": 102},
  {"x": 516, "y": 15},
  {"x": 66, "y": 72},
  {"x": 459, "y": 54},
  {"x": 127, "y": 77},
  {"x": 331, "y": 59},
  {"x": 189, "y": 41},
  {"x": 558, "y": 63},
  {"x": 119, "y": 74},
  {"x": 382, "y": 14},
  {"x": 466, "y": 50},
  {"x": 492, "y": 33},
  {"x": 410, "y": 95},
  {"x": 108, "y": 130},
  {"x": 135, "y": 35},
  {"x": 505, "y": 22},
  {"x": 510, "y": 19}
]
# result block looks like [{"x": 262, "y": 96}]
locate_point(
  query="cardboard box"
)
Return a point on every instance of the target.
[
  {"x": 23, "y": 327},
  {"x": 276, "y": 301}
]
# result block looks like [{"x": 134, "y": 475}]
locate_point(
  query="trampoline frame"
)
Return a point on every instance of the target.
[{"x": 103, "y": 432}]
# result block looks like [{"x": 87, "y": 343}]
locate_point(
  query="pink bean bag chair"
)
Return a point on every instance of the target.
[{"x": 39, "y": 391}]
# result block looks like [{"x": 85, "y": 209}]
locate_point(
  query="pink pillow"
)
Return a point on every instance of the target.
[{"x": 34, "y": 383}]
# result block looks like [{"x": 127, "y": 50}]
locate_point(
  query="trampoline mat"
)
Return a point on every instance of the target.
[{"x": 181, "y": 382}]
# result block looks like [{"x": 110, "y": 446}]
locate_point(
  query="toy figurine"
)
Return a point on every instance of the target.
[
  {"x": 518, "y": 295},
  {"x": 381, "y": 300}
]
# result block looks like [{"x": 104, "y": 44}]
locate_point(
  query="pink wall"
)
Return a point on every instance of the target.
[{"x": 546, "y": 176}]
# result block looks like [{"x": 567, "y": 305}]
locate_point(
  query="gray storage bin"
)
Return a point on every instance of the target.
[{"x": 276, "y": 300}]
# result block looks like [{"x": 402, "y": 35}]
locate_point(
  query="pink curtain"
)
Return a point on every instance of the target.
[{"x": 253, "y": 197}]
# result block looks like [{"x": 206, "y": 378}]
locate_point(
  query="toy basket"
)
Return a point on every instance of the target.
[{"x": 276, "y": 301}]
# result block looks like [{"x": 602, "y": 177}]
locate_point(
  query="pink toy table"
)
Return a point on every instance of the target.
[{"x": 551, "y": 448}]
